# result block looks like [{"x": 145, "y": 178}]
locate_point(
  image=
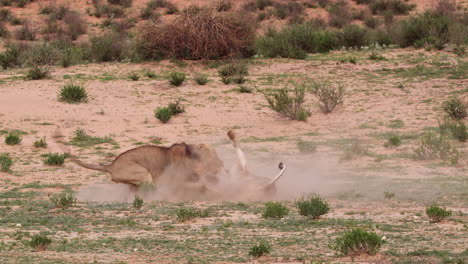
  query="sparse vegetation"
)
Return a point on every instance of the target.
[
  {"x": 201, "y": 79},
  {"x": 38, "y": 73},
  {"x": 313, "y": 206},
  {"x": 137, "y": 203},
  {"x": 291, "y": 106},
  {"x": 176, "y": 107},
  {"x": 13, "y": 138},
  {"x": 393, "y": 141},
  {"x": 177, "y": 78},
  {"x": 73, "y": 93},
  {"x": 55, "y": 159},
  {"x": 260, "y": 248},
  {"x": 433, "y": 145},
  {"x": 306, "y": 146},
  {"x": 63, "y": 200},
  {"x": 40, "y": 143},
  {"x": 5, "y": 162},
  {"x": 81, "y": 139},
  {"x": 358, "y": 241},
  {"x": 134, "y": 76},
  {"x": 234, "y": 72},
  {"x": 275, "y": 210},
  {"x": 389, "y": 195},
  {"x": 245, "y": 89},
  {"x": 164, "y": 114},
  {"x": 40, "y": 242},
  {"x": 329, "y": 96},
  {"x": 455, "y": 108},
  {"x": 437, "y": 214},
  {"x": 189, "y": 213}
]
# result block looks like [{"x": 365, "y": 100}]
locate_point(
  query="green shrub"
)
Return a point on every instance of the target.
[
  {"x": 455, "y": 108},
  {"x": 306, "y": 146},
  {"x": 12, "y": 55},
  {"x": 13, "y": 138},
  {"x": 73, "y": 93},
  {"x": 5, "y": 162},
  {"x": 55, "y": 159},
  {"x": 40, "y": 242},
  {"x": 201, "y": 79},
  {"x": 25, "y": 32},
  {"x": 329, "y": 96},
  {"x": 134, "y": 76},
  {"x": 41, "y": 143},
  {"x": 234, "y": 72},
  {"x": 458, "y": 130},
  {"x": 150, "y": 74},
  {"x": 260, "y": 248},
  {"x": 354, "y": 36},
  {"x": 437, "y": 213},
  {"x": 188, "y": 213},
  {"x": 275, "y": 210},
  {"x": 107, "y": 47},
  {"x": 163, "y": 114},
  {"x": 339, "y": 15},
  {"x": 177, "y": 78},
  {"x": 436, "y": 146},
  {"x": 358, "y": 241},
  {"x": 290, "y": 106},
  {"x": 393, "y": 141},
  {"x": 63, "y": 200},
  {"x": 371, "y": 22},
  {"x": 395, "y": 6},
  {"x": 312, "y": 207},
  {"x": 81, "y": 139},
  {"x": 137, "y": 203},
  {"x": 38, "y": 73}
]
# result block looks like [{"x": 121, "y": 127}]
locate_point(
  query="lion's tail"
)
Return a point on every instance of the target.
[{"x": 90, "y": 166}]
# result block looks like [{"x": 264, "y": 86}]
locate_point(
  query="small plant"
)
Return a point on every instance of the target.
[
  {"x": 260, "y": 248},
  {"x": 290, "y": 106},
  {"x": 81, "y": 139},
  {"x": 234, "y": 72},
  {"x": 455, "y": 108},
  {"x": 375, "y": 56},
  {"x": 137, "y": 203},
  {"x": 389, "y": 195},
  {"x": 5, "y": 162},
  {"x": 150, "y": 74},
  {"x": 55, "y": 159},
  {"x": 437, "y": 213},
  {"x": 436, "y": 146},
  {"x": 176, "y": 78},
  {"x": 312, "y": 207},
  {"x": 73, "y": 93},
  {"x": 176, "y": 107},
  {"x": 306, "y": 146},
  {"x": 41, "y": 143},
  {"x": 357, "y": 242},
  {"x": 275, "y": 210},
  {"x": 239, "y": 79},
  {"x": 163, "y": 114},
  {"x": 63, "y": 200},
  {"x": 134, "y": 76},
  {"x": 40, "y": 242},
  {"x": 185, "y": 214},
  {"x": 245, "y": 89},
  {"x": 393, "y": 141},
  {"x": 38, "y": 73},
  {"x": 201, "y": 79},
  {"x": 226, "y": 80},
  {"x": 458, "y": 130},
  {"x": 329, "y": 96},
  {"x": 13, "y": 138}
]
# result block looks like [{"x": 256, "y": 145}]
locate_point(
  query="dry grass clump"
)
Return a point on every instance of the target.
[{"x": 199, "y": 33}]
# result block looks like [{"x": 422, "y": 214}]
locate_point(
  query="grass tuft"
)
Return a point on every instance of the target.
[
  {"x": 313, "y": 207},
  {"x": 275, "y": 210},
  {"x": 357, "y": 242}
]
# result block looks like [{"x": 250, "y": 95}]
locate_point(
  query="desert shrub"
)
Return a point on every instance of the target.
[
  {"x": 164, "y": 114},
  {"x": 393, "y": 141},
  {"x": 456, "y": 128},
  {"x": 358, "y": 241},
  {"x": 134, "y": 76},
  {"x": 395, "y": 6},
  {"x": 4, "y": 33},
  {"x": 55, "y": 159},
  {"x": 12, "y": 55},
  {"x": 188, "y": 213},
  {"x": 389, "y": 195},
  {"x": 459, "y": 50},
  {"x": 41, "y": 143},
  {"x": 26, "y": 32},
  {"x": 176, "y": 107},
  {"x": 40, "y": 242},
  {"x": 313, "y": 207},
  {"x": 455, "y": 108},
  {"x": 41, "y": 54},
  {"x": 137, "y": 203},
  {"x": 158, "y": 4},
  {"x": 109, "y": 46},
  {"x": 433, "y": 145},
  {"x": 38, "y": 73},
  {"x": 81, "y": 139},
  {"x": 5, "y": 14},
  {"x": 296, "y": 41},
  {"x": 13, "y": 138},
  {"x": 275, "y": 210},
  {"x": 291, "y": 106},
  {"x": 5, "y": 162},
  {"x": 201, "y": 33},
  {"x": 260, "y": 248},
  {"x": 124, "y": 3},
  {"x": 223, "y": 5},
  {"x": 371, "y": 22},
  {"x": 306, "y": 146},
  {"x": 233, "y": 72},
  {"x": 201, "y": 79},
  {"x": 244, "y": 89},
  {"x": 240, "y": 79},
  {"x": 437, "y": 213},
  {"x": 354, "y": 36},
  {"x": 63, "y": 200},
  {"x": 73, "y": 93},
  {"x": 329, "y": 96},
  {"x": 150, "y": 74},
  {"x": 339, "y": 14},
  {"x": 177, "y": 78},
  {"x": 376, "y": 56},
  {"x": 75, "y": 25}
]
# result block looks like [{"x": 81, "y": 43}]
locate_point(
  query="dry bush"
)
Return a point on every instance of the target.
[
  {"x": 199, "y": 33},
  {"x": 75, "y": 25},
  {"x": 26, "y": 32}
]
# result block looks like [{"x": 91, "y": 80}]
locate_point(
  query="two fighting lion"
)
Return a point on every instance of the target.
[{"x": 193, "y": 168}]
